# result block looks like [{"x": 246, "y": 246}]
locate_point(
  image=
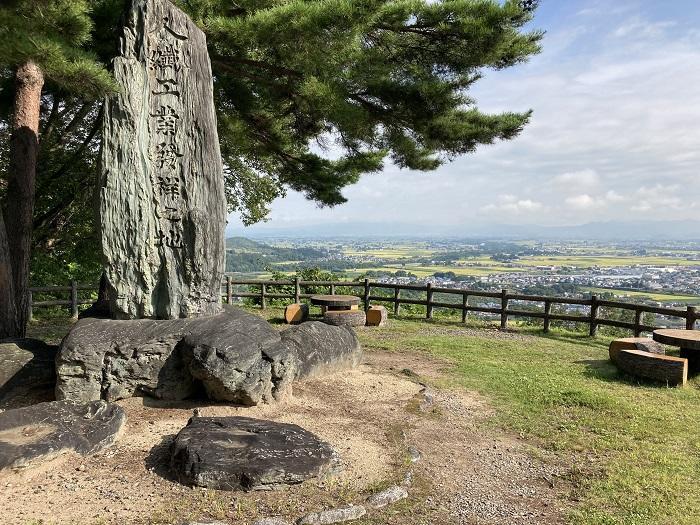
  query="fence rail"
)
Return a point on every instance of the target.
[{"x": 593, "y": 319}]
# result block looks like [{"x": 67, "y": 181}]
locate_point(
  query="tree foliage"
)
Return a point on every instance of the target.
[{"x": 310, "y": 95}]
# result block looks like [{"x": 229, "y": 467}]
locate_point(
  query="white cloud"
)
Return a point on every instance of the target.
[
  {"x": 576, "y": 180},
  {"x": 637, "y": 27},
  {"x": 582, "y": 202},
  {"x": 614, "y": 130},
  {"x": 512, "y": 205}
]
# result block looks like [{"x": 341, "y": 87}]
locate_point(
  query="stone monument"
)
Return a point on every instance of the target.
[
  {"x": 162, "y": 218},
  {"x": 162, "y": 203}
]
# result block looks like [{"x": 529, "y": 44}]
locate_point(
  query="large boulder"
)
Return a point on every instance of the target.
[
  {"x": 320, "y": 349},
  {"x": 26, "y": 365},
  {"x": 234, "y": 356},
  {"x": 240, "y": 453},
  {"x": 37, "y": 433},
  {"x": 238, "y": 358},
  {"x": 108, "y": 359}
]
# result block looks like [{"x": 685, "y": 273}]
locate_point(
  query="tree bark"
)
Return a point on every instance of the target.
[
  {"x": 8, "y": 317},
  {"x": 19, "y": 208}
]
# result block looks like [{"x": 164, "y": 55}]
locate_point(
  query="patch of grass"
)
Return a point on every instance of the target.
[{"x": 635, "y": 446}]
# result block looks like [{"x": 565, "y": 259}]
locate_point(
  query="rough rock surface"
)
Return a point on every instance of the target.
[
  {"x": 41, "y": 432},
  {"x": 239, "y": 359},
  {"x": 162, "y": 202},
  {"x": 322, "y": 349},
  {"x": 326, "y": 517},
  {"x": 235, "y": 356},
  {"x": 25, "y": 364},
  {"x": 271, "y": 521},
  {"x": 231, "y": 453},
  {"x": 387, "y": 497},
  {"x": 108, "y": 359}
]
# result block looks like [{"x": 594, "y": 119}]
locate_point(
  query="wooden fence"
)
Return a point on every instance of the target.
[{"x": 365, "y": 289}]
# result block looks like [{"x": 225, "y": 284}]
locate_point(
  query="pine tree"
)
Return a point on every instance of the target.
[
  {"x": 310, "y": 95},
  {"x": 43, "y": 42}
]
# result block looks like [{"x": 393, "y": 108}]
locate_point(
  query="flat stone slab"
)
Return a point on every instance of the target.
[
  {"x": 25, "y": 364},
  {"x": 339, "y": 515},
  {"x": 387, "y": 497},
  {"x": 41, "y": 432},
  {"x": 241, "y": 453}
]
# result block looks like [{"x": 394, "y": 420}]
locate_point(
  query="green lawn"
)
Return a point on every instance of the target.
[{"x": 634, "y": 448}]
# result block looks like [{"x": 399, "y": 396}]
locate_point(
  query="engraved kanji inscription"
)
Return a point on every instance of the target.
[
  {"x": 167, "y": 155},
  {"x": 165, "y": 58},
  {"x": 166, "y": 120}
]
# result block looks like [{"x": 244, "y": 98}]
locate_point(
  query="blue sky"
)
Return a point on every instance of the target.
[{"x": 615, "y": 133}]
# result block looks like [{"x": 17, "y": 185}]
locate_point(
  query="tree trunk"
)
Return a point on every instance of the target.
[
  {"x": 8, "y": 317},
  {"x": 19, "y": 208}
]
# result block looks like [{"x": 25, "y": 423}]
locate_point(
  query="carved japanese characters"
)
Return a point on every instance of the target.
[{"x": 162, "y": 204}]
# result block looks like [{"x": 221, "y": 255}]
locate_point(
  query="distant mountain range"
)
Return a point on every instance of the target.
[{"x": 604, "y": 231}]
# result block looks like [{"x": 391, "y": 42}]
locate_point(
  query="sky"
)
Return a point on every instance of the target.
[{"x": 615, "y": 133}]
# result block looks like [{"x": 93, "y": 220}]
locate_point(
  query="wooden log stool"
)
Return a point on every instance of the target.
[
  {"x": 296, "y": 313},
  {"x": 377, "y": 316}
]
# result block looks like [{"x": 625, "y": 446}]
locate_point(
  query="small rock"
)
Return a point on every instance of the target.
[
  {"x": 414, "y": 454},
  {"x": 327, "y": 517},
  {"x": 81, "y": 468},
  {"x": 271, "y": 521},
  {"x": 387, "y": 497},
  {"x": 407, "y": 479}
]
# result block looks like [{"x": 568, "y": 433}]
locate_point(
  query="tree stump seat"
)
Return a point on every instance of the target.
[
  {"x": 644, "y": 358},
  {"x": 345, "y": 317},
  {"x": 296, "y": 313},
  {"x": 377, "y": 316}
]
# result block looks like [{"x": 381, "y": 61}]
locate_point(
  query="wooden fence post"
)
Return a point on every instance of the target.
[
  {"x": 229, "y": 290},
  {"x": 637, "y": 322},
  {"x": 297, "y": 290},
  {"x": 465, "y": 304},
  {"x": 504, "y": 309},
  {"x": 332, "y": 289},
  {"x": 263, "y": 302},
  {"x": 397, "y": 305},
  {"x": 691, "y": 315},
  {"x": 593, "y": 329},
  {"x": 74, "y": 299},
  {"x": 366, "y": 298},
  {"x": 429, "y": 301},
  {"x": 547, "y": 312}
]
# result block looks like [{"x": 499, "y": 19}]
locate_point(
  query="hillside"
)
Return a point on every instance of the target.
[{"x": 245, "y": 255}]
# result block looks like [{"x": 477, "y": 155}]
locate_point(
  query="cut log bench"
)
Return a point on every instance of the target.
[{"x": 642, "y": 357}]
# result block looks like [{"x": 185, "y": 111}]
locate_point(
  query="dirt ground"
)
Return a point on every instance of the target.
[{"x": 374, "y": 416}]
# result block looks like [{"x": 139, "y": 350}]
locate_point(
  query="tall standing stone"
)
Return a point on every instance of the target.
[{"x": 162, "y": 202}]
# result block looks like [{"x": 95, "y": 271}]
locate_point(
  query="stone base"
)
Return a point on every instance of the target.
[
  {"x": 240, "y": 453},
  {"x": 41, "y": 432},
  {"x": 233, "y": 356},
  {"x": 27, "y": 367}
]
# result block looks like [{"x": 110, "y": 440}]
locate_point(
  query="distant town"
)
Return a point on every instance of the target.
[{"x": 653, "y": 272}]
